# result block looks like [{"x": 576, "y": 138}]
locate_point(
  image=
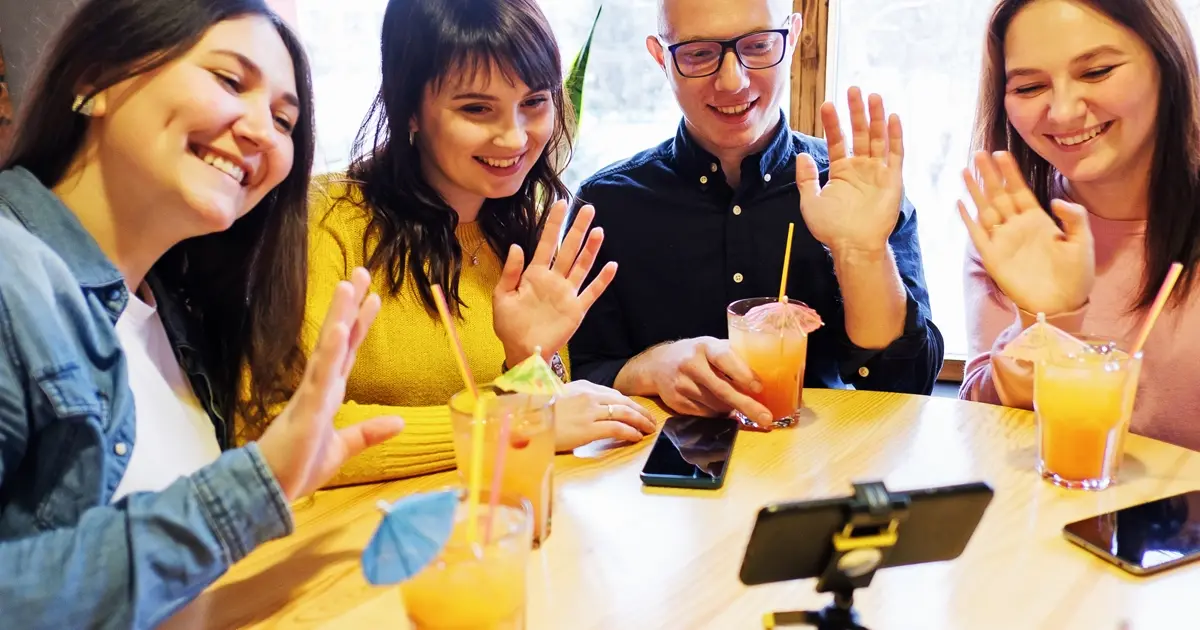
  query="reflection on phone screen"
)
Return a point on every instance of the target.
[
  {"x": 692, "y": 447},
  {"x": 1149, "y": 535}
]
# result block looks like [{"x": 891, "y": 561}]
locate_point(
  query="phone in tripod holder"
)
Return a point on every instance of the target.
[{"x": 844, "y": 541}]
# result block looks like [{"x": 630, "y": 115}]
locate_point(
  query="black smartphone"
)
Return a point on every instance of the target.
[
  {"x": 1145, "y": 538},
  {"x": 691, "y": 452},
  {"x": 794, "y": 541}
]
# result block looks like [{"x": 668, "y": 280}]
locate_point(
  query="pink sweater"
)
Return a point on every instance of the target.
[{"x": 1168, "y": 399}]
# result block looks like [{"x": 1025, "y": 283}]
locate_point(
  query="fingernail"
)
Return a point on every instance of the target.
[
  {"x": 756, "y": 387},
  {"x": 765, "y": 419}
]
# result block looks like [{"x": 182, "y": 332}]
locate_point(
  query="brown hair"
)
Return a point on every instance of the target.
[
  {"x": 244, "y": 287},
  {"x": 427, "y": 42},
  {"x": 1173, "y": 228}
]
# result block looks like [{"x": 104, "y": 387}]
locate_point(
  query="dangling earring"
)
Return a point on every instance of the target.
[
  {"x": 83, "y": 107},
  {"x": 412, "y": 137}
]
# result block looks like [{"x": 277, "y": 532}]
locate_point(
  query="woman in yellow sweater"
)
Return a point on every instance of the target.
[{"x": 455, "y": 170}]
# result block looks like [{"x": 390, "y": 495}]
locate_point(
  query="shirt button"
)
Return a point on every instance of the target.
[
  {"x": 114, "y": 295},
  {"x": 864, "y": 372},
  {"x": 737, "y": 277},
  {"x": 121, "y": 448},
  {"x": 714, "y": 167},
  {"x": 704, "y": 179},
  {"x": 737, "y": 210}
]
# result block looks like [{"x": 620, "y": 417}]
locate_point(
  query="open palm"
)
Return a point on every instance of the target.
[
  {"x": 301, "y": 446},
  {"x": 859, "y": 204},
  {"x": 1042, "y": 268},
  {"x": 543, "y": 306}
]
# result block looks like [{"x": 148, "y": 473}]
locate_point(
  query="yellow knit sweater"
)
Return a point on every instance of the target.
[{"x": 405, "y": 366}]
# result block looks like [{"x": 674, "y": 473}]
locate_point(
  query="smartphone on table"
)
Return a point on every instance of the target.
[
  {"x": 1146, "y": 538},
  {"x": 691, "y": 452}
]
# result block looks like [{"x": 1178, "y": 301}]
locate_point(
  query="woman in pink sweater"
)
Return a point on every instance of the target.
[{"x": 1087, "y": 104}]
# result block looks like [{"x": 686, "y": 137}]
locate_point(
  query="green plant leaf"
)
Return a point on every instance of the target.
[{"x": 577, "y": 73}]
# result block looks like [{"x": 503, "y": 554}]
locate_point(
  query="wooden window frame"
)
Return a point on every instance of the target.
[{"x": 811, "y": 67}]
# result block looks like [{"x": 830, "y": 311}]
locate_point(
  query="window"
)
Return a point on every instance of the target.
[
  {"x": 628, "y": 105},
  {"x": 923, "y": 57}
]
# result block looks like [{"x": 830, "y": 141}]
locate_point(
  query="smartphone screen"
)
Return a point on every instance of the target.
[
  {"x": 691, "y": 452},
  {"x": 1144, "y": 538}
]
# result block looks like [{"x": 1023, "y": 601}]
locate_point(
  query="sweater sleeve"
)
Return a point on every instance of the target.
[
  {"x": 992, "y": 322},
  {"x": 427, "y": 444}
]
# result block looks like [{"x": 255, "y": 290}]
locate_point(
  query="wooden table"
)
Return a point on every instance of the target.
[{"x": 625, "y": 557}]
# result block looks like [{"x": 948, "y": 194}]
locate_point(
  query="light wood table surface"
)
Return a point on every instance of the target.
[{"x": 626, "y": 557}]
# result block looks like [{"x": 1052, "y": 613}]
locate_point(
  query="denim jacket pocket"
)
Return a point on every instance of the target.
[
  {"x": 71, "y": 393},
  {"x": 66, "y": 444}
]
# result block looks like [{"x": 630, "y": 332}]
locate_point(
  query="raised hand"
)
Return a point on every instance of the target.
[
  {"x": 1040, "y": 267},
  {"x": 858, "y": 207},
  {"x": 543, "y": 306},
  {"x": 301, "y": 446}
]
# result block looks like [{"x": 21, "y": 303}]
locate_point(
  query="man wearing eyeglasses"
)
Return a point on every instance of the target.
[{"x": 701, "y": 221}]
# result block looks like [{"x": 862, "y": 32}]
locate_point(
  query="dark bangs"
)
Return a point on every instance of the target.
[
  {"x": 517, "y": 50},
  {"x": 431, "y": 45}
]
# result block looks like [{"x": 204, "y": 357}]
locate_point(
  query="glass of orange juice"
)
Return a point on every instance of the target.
[
  {"x": 770, "y": 337},
  {"x": 1084, "y": 400},
  {"x": 528, "y": 471},
  {"x": 478, "y": 585}
]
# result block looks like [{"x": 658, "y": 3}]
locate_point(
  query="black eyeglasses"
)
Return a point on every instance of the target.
[{"x": 756, "y": 51}]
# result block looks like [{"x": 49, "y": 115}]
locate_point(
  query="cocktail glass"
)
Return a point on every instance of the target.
[
  {"x": 478, "y": 585},
  {"x": 528, "y": 471},
  {"x": 771, "y": 338},
  {"x": 1084, "y": 400}
]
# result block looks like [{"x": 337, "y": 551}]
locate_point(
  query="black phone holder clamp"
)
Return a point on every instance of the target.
[{"x": 859, "y": 549}]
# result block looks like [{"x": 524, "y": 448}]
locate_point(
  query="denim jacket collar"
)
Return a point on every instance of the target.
[{"x": 46, "y": 217}]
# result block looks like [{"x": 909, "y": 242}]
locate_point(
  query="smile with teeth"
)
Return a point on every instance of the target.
[
  {"x": 221, "y": 164},
  {"x": 1083, "y": 136},
  {"x": 734, "y": 110},
  {"x": 497, "y": 163}
]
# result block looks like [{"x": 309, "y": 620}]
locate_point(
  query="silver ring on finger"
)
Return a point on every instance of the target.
[{"x": 610, "y": 411}]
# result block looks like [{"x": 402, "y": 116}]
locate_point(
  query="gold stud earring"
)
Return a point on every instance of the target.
[{"x": 83, "y": 107}]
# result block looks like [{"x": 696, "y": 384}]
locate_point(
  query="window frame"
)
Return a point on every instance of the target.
[{"x": 811, "y": 67}]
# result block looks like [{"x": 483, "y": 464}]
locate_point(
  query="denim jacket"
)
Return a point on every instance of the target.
[{"x": 69, "y": 558}]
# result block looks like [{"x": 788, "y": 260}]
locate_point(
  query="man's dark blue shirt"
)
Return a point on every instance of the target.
[{"x": 688, "y": 245}]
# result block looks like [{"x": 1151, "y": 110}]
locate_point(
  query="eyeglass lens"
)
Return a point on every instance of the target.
[{"x": 755, "y": 51}]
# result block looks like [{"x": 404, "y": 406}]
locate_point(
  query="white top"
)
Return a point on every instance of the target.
[{"x": 175, "y": 436}]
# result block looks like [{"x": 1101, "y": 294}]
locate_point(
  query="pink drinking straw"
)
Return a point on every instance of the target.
[
  {"x": 494, "y": 497},
  {"x": 1156, "y": 309}
]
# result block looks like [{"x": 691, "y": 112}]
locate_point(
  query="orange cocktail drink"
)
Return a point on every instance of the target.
[
  {"x": 1084, "y": 400},
  {"x": 479, "y": 586},
  {"x": 528, "y": 471},
  {"x": 770, "y": 337}
]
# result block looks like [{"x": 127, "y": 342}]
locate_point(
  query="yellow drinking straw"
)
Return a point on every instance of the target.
[
  {"x": 787, "y": 257},
  {"x": 475, "y": 481}
]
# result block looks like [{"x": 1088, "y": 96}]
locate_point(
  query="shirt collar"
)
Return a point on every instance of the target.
[
  {"x": 695, "y": 162},
  {"x": 45, "y": 216}
]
